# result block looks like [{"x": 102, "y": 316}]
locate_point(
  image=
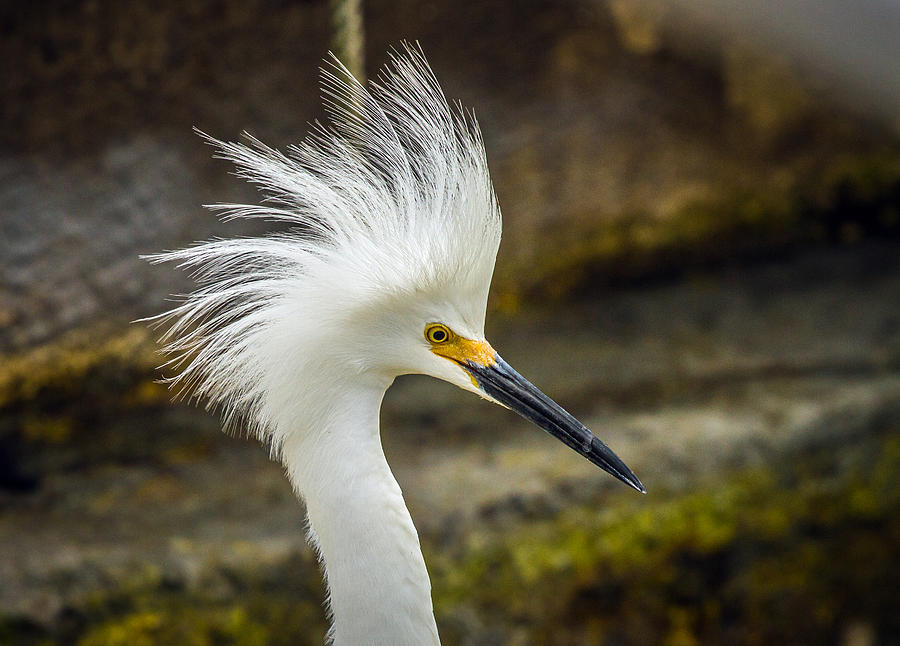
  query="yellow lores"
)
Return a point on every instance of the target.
[{"x": 446, "y": 343}]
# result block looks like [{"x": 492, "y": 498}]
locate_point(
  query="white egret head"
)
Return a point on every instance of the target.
[{"x": 385, "y": 269}]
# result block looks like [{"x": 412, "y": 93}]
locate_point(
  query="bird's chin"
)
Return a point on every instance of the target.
[{"x": 455, "y": 374}]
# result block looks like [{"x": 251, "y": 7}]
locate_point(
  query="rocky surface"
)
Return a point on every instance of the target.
[
  {"x": 612, "y": 159},
  {"x": 753, "y": 371},
  {"x": 699, "y": 260}
]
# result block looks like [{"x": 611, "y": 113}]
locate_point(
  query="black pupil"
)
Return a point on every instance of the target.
[{"x": 438, "y": 335}]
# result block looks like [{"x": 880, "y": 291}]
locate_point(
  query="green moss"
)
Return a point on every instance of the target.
[
  {"x": 272, "y": 605},
  {"x": 185, "y": 626},
  {"x": 67, "y": 397},
  {"x": 757, "y": 559},
  {"x": 43, "y": 428},
  {"x": 67, "y": 365},
  {"x": 850, "y": 198},
  {"x": 791, "y": 553}
]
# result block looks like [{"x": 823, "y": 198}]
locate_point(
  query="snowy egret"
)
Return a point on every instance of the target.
[{"x": 385, "y": 272}]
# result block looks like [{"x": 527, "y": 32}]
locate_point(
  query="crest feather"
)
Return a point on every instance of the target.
[{"x": 391, "y": 196}]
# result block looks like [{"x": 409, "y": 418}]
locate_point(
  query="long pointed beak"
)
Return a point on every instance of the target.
[{"x": 503, "y": 384}]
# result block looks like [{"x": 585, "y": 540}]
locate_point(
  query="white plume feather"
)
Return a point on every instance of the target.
[{"x": 391, "y": 197}]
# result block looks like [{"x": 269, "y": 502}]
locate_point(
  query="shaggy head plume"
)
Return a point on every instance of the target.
[{"x": 391, "y": 199}]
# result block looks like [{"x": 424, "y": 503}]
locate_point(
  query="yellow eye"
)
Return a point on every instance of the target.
[{"x": 437, "y": 333}]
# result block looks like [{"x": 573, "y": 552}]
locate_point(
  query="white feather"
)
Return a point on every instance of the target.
[
  {"x": 297, "y": 335},
  {"x": 392, "y": 198}
]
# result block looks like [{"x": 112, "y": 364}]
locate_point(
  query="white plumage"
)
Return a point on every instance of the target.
[{"x": 385, "y": 271}]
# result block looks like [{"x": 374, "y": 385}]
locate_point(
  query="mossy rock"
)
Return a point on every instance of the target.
[
  {"x": 792, "y": 554},
  {"x": 847, "y": 200},
  {"x": 85, "y": 397},
  {"x": 800, "y": 551}
]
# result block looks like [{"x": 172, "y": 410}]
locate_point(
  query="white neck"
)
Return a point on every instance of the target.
[{"x": 374, "y": 569}]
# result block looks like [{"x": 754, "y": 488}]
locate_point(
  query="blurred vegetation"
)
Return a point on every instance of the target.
[
  {"x": 794, "y": 552},
  {"x": 61, "y": 402},
  {"x": 268, "y": 608},
  {"x": 765, "y": 556},
  {"x": 853, "y": 198}
]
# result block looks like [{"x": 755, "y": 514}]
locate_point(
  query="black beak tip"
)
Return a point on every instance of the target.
[
  {"x": 603, "y": 457},
  {"x": 632, "y": 481}
]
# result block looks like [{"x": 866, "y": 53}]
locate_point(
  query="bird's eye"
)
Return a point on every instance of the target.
[{"x": 437, "y": 333}]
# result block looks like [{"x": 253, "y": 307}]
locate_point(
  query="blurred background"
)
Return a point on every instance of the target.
[{"x": 700, "y": 260}]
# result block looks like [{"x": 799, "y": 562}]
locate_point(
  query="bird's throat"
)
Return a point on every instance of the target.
[{"x": 379, "y": 588}]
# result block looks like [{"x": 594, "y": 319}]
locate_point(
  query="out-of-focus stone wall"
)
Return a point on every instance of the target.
[{"x": 600, "y": 125}]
